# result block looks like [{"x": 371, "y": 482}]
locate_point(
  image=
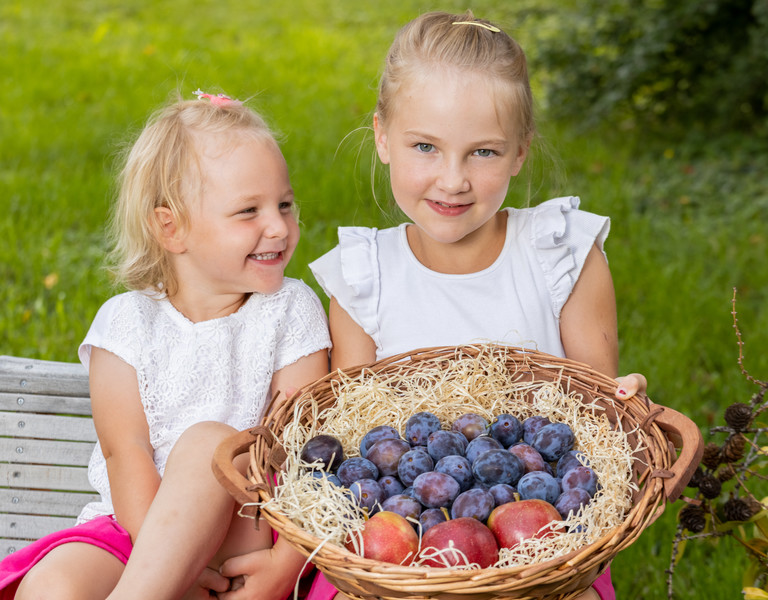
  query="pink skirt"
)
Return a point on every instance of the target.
[
  {"x": 103, "y": 532},
  {"x": 322, "y": 590}
]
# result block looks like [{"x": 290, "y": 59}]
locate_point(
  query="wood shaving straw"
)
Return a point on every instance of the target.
[{"x": 450, "y": 387}]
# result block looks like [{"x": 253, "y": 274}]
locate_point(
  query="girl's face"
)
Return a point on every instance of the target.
[
  {"x": 242, "y": 229},
  {"x": 451, "y": 154}
]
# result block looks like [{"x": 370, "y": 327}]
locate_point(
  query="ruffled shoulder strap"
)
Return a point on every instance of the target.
[
  {"x": 350, "y": 273},
  {"x": 563, "y": 235}
]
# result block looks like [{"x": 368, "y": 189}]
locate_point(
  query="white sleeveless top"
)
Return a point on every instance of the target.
[
  {"x": 402, "y": 305},
  {"x": 216, "y": 370}
]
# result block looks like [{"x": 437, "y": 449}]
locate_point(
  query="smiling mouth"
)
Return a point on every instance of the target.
[
  {"x": 446, "y": 204},
  {"x": 265, "y": 256}
]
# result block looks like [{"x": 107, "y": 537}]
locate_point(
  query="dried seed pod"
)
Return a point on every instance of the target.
[
  {"x": 712, "y": 456},
  {"x": 696, "y": 477},
  {"x": 733, "y": 449},
  {"x": 738, "y": 416},
  {"x": 692, "y": 518},
  {"x": 738, "y": 509},
  {"x": 710, "y": 487},
  {"x": 726, "y": 473}
]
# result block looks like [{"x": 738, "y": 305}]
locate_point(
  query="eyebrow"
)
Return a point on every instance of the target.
[{"x": 475, "y": 144}]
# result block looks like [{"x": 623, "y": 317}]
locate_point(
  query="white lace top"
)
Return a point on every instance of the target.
[
  {"x": 213, "y": 370},
  {"x": 403, "y": 305}
]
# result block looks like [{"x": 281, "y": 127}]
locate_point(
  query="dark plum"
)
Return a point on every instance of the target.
[
  {"x": 470, "y": 425},
  {"x": 581, "y": 477},
  {"x": 412, "y": 464},
  {"x": 507, "y": 429},
  {"x": 391, "y": 485},
  {"x": 531, "y": 426},
  {"x": 431, "y": 517},
  {"x": 480, "y": 444},
  {"x": 403, "y": 505},
  {"x": 385, "y": 454},
  {"x": 325, "y": 449},
  {"x": 532, "y": 460},
  {"x": 356, "y": 467},
  {"x": 419, "y": 426},
  {"x": 571, "y": 501},
  {"x": 503, "y": 493},
  {"x": 572, "y": 458},
  {"x": 538, "y": 485},
  {"x": 435, "y": 489},
  {"x": 475, "y": 503},
  {"x": 380, "y": 432},
  {"x": 553, "y": 440},
  {"x": 369, "y": 494},
  {"x": 326, "y": 475},
  {"x": 444, "y": 443},
  {"x": 457, "y": 467},
  {"x": 497, "y": 466}
]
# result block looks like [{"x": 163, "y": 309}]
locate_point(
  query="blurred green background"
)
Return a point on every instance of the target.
[{"x": 686, "y": 193}]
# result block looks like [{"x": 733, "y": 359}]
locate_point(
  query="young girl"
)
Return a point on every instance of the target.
[
  {"x": 204, "y": 228},
  {"x": 454, "y": 122}
]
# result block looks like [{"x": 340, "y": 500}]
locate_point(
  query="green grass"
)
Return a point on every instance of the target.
[{"x": 79, "y": 79}]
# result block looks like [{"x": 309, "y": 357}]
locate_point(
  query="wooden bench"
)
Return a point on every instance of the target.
[{"x": 46, "y": 440}]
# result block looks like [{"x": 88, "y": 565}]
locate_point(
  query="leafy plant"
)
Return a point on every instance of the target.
[
  {"x": 662, "y": 62},
  {"x": 726, "y": 501}
]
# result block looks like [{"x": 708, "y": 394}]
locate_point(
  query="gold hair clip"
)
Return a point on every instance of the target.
[{"x": 479, "y": 24}]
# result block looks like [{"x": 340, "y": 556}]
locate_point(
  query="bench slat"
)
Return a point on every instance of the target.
[
  {"x": 46, "y": 427},
  {"x": 9, "y": 545},
  {"x": 45, "y": 477},
  {"x": 27, "y": 451},
  {"x": 24, "y": 527},
  {"x": 38, "y": 403},
  {"x": 40, "y": 502},
  {"x": 34, "y": 376}
]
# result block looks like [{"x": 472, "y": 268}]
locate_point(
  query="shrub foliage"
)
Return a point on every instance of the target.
[{"x": 678, "y": 64}]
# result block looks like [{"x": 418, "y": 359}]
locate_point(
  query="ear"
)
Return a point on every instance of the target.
[
  {"x": 169, "y": 232},
  {"x": 522, "y": 153},
  {"x": 380, "y": 136}
]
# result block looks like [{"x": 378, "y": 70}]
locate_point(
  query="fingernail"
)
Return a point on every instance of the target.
[{"x": 621, "y": 392}]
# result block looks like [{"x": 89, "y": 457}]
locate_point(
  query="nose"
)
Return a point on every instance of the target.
[
  {"x": 453, "y": 177},
  {"x": 276, "y": 226}
]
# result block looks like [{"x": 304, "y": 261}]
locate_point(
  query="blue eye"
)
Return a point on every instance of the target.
[
  {"x": 485, "y": 152},
  {"x": 424, "y": 147}
]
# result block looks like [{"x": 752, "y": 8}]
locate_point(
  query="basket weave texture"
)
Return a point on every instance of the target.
[{"x": 658, "y": 473}]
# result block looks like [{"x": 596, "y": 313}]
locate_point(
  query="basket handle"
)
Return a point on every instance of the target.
[
  {"x": 691, "y": 444},
  {"x": 223, "y": 462}
]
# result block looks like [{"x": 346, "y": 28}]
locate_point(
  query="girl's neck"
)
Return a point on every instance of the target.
[
  {"x": 475, "y": 252},
  {"x": 201, "y": 307}
]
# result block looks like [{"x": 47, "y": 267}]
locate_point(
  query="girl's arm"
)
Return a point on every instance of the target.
[
  {"x": 588, "y": 326},
  {"x": 257, "y": 571},
  {"x": 351, "y": 345},
  {"x": 294, "y": 376},
  {"x": 123, "y": 433}
]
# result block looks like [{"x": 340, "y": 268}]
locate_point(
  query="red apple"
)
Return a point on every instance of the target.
[
  {"x": 514, "y": 522},
  {"x": 467, "y": 535},
  {"x": 388, "y": 537}
]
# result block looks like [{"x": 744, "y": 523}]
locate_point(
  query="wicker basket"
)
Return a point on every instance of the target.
[{"x": 659, "y": 472}]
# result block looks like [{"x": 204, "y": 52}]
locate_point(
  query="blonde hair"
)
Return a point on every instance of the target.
[
  {"x": 159, "y": 170},
  {"x": 434, "y": 40}
]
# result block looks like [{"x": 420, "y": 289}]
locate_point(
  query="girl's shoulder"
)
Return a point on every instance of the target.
[{"x": 561, "y": 236}]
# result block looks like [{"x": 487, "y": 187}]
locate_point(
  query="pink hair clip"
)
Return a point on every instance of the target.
[{"x": 216, "y": 100}]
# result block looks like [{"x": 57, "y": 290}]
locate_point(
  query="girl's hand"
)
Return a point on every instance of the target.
[
  {"x": 260, "y": 575},
  {"x": 631, "y": 384},
  {"x": 209, "y": 581}
]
